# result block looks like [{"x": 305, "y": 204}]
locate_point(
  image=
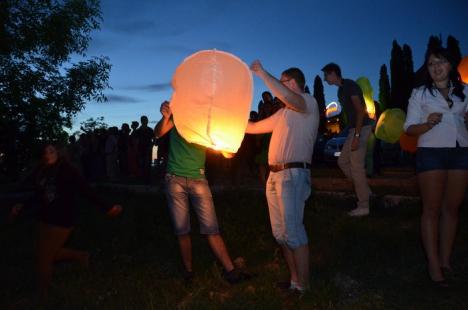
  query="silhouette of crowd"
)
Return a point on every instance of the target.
[{"x": 126, "y": 154}]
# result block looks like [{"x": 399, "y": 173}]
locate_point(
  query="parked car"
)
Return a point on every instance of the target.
[
  {"x": 333, "y": 147},
  {"x": 319, "y": 147}
]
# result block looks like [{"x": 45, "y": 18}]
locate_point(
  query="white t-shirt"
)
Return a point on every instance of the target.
[
  {"x": 452, "y": 127},
  {"x": 293, "y": 133}
]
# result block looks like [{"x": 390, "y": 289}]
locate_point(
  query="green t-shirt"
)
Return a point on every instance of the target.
[{"x": 185, "y": 159}]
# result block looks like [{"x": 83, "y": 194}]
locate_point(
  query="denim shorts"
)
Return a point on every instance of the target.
[
  {"x": 287, "y": 191},
  {"x": 443, "y": 158},
  {"x": 182, "y": 190}
]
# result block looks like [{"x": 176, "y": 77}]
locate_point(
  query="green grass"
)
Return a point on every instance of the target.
[{"x": 370, "y": 263}]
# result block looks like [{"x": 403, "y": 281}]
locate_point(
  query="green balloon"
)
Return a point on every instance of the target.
[
  {"x": 390, "y": 125},
  {"x": 366, "y": 87}
]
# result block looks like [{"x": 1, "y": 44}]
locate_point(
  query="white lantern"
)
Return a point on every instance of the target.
[{"x": 211, "y": 99}]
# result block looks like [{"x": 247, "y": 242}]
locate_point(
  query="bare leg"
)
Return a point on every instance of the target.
[
  {"x": 219, "y": 249},
  {"x": 432, "y": 187},
  {"x": 456, "y": 187},
  {"x": 291, "y": 262},
  {"x": 185, "y": 246},
  {"x": 51, "y": 239},
  {"x": 301, "y": 258}
]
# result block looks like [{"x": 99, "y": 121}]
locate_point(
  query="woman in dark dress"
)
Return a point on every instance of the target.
[{"x": 57, "y": 183}]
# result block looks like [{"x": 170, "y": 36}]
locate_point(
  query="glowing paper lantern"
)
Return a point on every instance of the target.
[
  {"x": 408, "y": 143},
  {"x": 211, "y": 100},
  {"x": 368, "y": 93},
  {"x": 463, "y": 69},
  {"x": 332, "y": 109},
  {"x": 390, "y": 125}
]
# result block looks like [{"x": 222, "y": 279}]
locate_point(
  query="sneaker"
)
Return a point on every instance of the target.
[
  {"x": 298, "y": 293},
  {"x": 359, "y": 212},
  {"x": 286, "y": 285},
  {"x": 236, "y": 276}
]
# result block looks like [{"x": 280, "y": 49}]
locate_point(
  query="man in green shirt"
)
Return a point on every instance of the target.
[{"x": 184, "y": 180}]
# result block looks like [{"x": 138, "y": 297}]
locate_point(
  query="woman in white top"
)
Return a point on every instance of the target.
[{"x": 438, "y": 115}]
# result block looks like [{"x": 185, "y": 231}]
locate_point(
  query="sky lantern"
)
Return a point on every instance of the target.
[
  {"x": 368, "y": 93},
  {"x": 211, "y": 100},
  {"x": 390, "y": 125},
  {"x": 463, "y": 69}
]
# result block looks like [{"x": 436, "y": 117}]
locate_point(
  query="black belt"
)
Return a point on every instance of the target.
[{"x": 279, "y": 167}]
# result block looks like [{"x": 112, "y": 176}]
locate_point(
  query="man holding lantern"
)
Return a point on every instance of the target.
[
  {"x": 294, "y": 130},
  {"x": 184, "y": 180}
]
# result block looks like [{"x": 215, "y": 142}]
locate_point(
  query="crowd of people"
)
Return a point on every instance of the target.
[
  {"x": 283, "y": 135},
  {"x": 124, "y": 154}
]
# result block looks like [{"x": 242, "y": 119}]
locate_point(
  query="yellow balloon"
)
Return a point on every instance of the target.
[{"x": 390, "y": 125}]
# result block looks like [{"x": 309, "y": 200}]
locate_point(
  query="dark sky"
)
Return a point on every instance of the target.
[{"x": 146, "y": 40}]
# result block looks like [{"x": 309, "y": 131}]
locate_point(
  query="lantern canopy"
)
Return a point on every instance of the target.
[
  {"x": 390, "y": 125},
  {"x": 463, "y": 69},
  {"x": 211, "y": 99}
]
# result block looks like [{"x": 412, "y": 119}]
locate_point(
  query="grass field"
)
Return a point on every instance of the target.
[{"x": 370, "y": 263}]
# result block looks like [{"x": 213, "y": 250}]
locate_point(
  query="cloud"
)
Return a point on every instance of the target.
[
  {"x": 160, "y": 18},
  {"x": 135, "y": 26},
  {"x": 122, "y": 99},
  {"x": 158, "y": 87}
]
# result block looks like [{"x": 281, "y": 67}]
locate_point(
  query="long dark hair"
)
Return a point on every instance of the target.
[{"x": 454, "y": 76}]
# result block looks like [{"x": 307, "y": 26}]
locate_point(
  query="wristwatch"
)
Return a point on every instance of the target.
[{"x": 357, "y": 135}]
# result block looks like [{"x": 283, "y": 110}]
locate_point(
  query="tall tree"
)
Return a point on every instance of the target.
[
  {"x": 40, "y": 89},
  {"x": 384, "y": 89},
  {"x": 453, "y": 47},
  {"x": 397, "y": 77},
  {"x": 408, "y": 75},
  {"x": 434, "y": 42},
  {"x": 319, "y": 95}
]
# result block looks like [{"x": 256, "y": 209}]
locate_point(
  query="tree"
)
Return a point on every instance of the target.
[
  {"x": 92, "y": 124},
  {"x": 453, "y": 47},
  {"x": 433, "y": 43},
  {"x": 397, "y": 77},
  {"x": 319, "y": 95},
  {"x": 40, "y": 89},
  {"x": 408, "y": 75},
  {"x": 384, "y": 89}
]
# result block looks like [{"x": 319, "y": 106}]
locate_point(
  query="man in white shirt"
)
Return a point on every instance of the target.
[{"x": 294, "y": 130}]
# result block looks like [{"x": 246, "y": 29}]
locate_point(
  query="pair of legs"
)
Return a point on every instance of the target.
[
  {"x": 287, "y": 191},
  {"x": 50, "y": 250},
  {"x": 181, "y": 190},
  {"x": 216, "y": 244},
  {"x": 352, "y": 163},
  {"x": 442, "y": 193},
  {"x": 298, "y": 264}
]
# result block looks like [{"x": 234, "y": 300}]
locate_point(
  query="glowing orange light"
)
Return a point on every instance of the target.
[
  {"x": 211, "y": 100},
  {"x": 332, "y": 109},
  {"x": 463, "y": 69}
]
